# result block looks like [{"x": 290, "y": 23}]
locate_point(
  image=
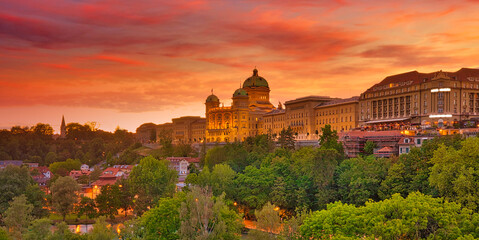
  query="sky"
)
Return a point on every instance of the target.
[{"x": 124, "y": 63}]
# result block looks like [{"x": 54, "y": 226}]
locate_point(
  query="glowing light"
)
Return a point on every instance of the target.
[
  {"x": 276, "y": 208},
  {"x": 120, "y": 185},
  {"x": 77, "y": 230},
  {"x": 440, "y": 115},
  {"x": 235, "y": 203},
  {"x": 441, "y": 90}
]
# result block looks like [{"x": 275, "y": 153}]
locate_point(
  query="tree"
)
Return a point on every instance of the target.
[
  {"x": 36, "y": 197},
  {"x": 253, "y": 187},
  {"x": 268, "y": 222},
  {"x": 101, "y": 231},
  {"x": 65, "y": 167},
  {"x": 154, "y": 177},
  {"x": 222, "y": 178},
  {"x": 286, "y": 139},
  {"x": 127, "y": 196},
  {"x": 63, "y": 233},
  {"x": 86, "y": 207},
  {"x": 108, "y": 201},
  {"x": 163, "y": 221},
  {"x": 18, "y": 216},
  {"x": 205, "y": 217},
  {"x": 43, "y": 129},
  {"x": 64, "y": 195},
  {"x": 39, "y": 230},
  {"x": 359, "y": 179},
  {"x": 369, "y": 147},
  {"x": 329, "y": 139},
  {"x": 454, "y": 173},
  {"x": 416, "y": 217},
  {"x": 14, "y": 181},
  {"x": 3, "y": 234}
]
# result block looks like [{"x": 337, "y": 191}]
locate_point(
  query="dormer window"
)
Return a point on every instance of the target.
[{"x": 406, "y": 140}]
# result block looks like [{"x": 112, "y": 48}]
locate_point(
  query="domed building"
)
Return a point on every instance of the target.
[{"x": 244, "y": 117}]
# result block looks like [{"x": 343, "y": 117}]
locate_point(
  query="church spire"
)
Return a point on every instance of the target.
[{"x": 63, "y": 128}]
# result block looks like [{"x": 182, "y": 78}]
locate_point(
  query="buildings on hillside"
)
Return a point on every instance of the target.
[
  {"x": 409, "y": 100},
  {"x": 421, "y": 99}
]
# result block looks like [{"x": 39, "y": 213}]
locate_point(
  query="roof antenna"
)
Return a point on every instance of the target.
[{"x": 212, "y": 91}]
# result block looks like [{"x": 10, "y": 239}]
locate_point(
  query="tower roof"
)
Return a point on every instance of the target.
[
  {"x": 212, "y": 98},
  {"x": 240, "y": 92},
  {"x": 255, "y": 80}
]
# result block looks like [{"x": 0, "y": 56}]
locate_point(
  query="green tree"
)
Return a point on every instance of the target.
[
  {"x": 205, "y": 217},
  {"x": 101, "y": 231},
  {"x": 253, "y": 187},
  {"x": 3, "y": 234},
  {"x": 39, "y": 230},
  {"x": 268, "y": 223},
  {"x": 163, "y": 221},
  {"x": 454, "y": 173},
  {"x": 63, "y": 233},
  {"x": 359, "y": 179},
  {"x": 14, "y": 181},
  {"x": 286, "y": 138},
  {"x": 36, "y": 196},
  {"x": 127, "y": 195},
  {"x": 329, "y": 139},
  {"x": 108, "y": 201},
  {"x": 416, "y": 217},
  {"x": 50, "y": 158},
  {"x": 154, "y": 178},
  {"x": 86, "y": 207},
  {"x": 64, "y": 195},
  {"x": 65, "y": 167},
  {"x": 369, "y": 147},
  {"x": 18, "y": 216}
]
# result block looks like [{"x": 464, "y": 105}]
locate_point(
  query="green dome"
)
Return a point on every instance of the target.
[
  {"x": 212, "y": 98},
  {"x": 255, "y": 81},
  {"x": 240, "y": 92}
]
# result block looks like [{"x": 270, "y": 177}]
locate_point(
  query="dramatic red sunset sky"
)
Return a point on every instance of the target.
[{"x": 124, "y": 63}]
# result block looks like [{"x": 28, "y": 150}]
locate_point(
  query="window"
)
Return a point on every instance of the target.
[{"x": 418, "y": 141}]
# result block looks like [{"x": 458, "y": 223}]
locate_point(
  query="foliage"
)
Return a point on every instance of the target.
[
  {"x": 253, "y": 187},
  {"x": 3, "y": 234},
  {"x": 64, "y": 195},
  {"x": 416, "y": 217},
  {"x": 369, "y": 147},
  {"x": 18, "y": 216},
  {"x": 359, "y": 179},
  {"x": 329, "y": 139},
  {"x": 63, "y": 168},
  {"x": 268, "y": 222},
  {"x": 108, "y": 201},
  {"x": 63, "y": 233},
  {"x": 39, "y": 230},
  {"x": 101, "y": 230},
  {"x": 37, "y": 198},
  {"x": 86, "y": 207},
  {"x": 286, "y": 139},
  {"x": 163, "y": 221},
  {"x": 205, "y": 217},
  {"x": 14, "y": 181},
  {"x": 154, "y": 177},
  {"x": 454, "y": 173}
]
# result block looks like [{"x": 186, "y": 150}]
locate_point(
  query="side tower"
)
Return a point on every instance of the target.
[
  {"x": 63, "y": 128},
  {"x": 212, "y": 101}
]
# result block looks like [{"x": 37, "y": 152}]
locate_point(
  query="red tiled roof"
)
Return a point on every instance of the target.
[
  {"x": 401, "y": 141},
  {"x": 385, "y": 150},
  {"x": 103, "y": 182}
]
